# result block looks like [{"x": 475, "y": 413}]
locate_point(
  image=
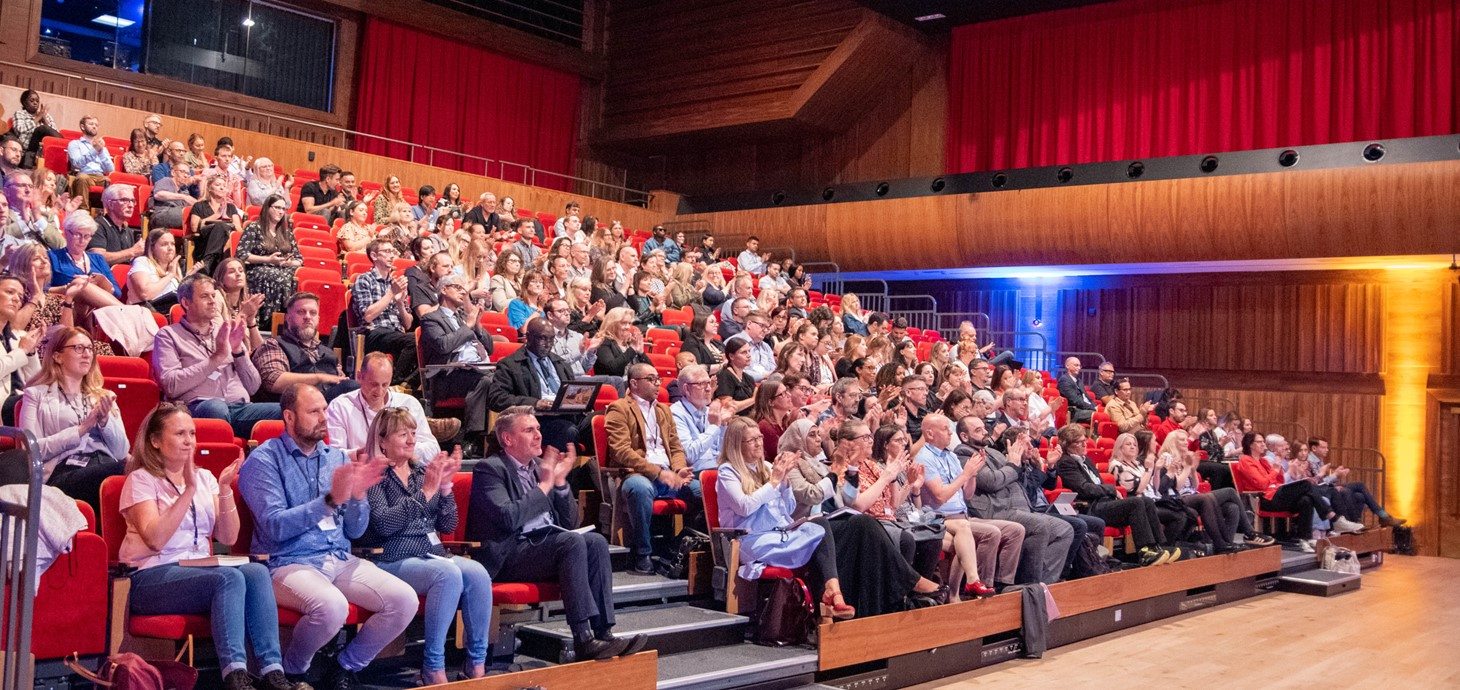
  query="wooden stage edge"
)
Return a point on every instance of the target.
[
  {"x": 859, "y": 641},
  {"x": 637, "y": 672}
]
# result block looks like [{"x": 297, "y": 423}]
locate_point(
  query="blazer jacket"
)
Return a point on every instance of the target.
[
  {"x": 624, "y": 422},
  {"x": 500, "y": 506},
  {"x": 514, "y": 382},
  {"x": 439, "y": 341}
]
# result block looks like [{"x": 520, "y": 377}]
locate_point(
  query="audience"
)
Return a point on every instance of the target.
[
  {"x": 298, "y": 354},
  {"x": 174, "y": 511},
  {"x": 621, "y": 344},
  {"x": 78, "y": 428},
  {"x": 524, "y": 516},
  {"x": 28, "y": 218},
  {"x": 349, "y": 416},
  {"x": 643, "y": 441},
  {"x": 115, "y": 239},
  {"x": 32, "y": 122},
  {"x": 90, "y": 161},
  {"x": 455, "y": 347},
  {"x": 410, "y": 509},
  {"x": 1082, "y": 408},
  {"x": 270, "y": 257},
  {"x": 308, "y": 503},
  {"x": 1078, "y": 474},
  {"x": 213, "y": 219},
  {"x": 755, "y": 496},
  {"x": 201, "y": 361},
  {"x": 999, "y": 494},
  {"x": 379, "y": 304}
]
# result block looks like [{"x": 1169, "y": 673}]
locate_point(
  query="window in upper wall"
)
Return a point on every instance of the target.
[{"x": 250, "y": 48}]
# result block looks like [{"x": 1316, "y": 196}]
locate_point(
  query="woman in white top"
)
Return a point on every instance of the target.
[
  {"x": 79, "y": 433},
  {"x": 174, "y": 511},
  {"x": 154, "y": 276}
]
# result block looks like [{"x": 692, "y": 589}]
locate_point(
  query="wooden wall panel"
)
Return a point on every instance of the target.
[
  {"x": 1450, "y": 330},
  {"x": 1368, "y": 211},
  {"x": 1349, "y": 420},
  {"x": 289, "y": 154}
]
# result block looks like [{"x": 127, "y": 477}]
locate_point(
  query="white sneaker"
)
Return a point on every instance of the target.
[
  {"x": 1344, "y": 525},
  {"x": 1306, "y": 546}
]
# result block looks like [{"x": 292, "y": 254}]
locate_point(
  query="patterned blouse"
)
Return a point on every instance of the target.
[{"x": 403, "y": 520}]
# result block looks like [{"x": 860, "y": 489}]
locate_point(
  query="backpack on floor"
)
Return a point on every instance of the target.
[
  {"x": 1404, "y": 541},
  {"x": 1087, "y": 558}
]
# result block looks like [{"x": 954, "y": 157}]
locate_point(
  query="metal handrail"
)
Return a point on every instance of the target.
[
  {"x": 528, "y": 173},
  {"x": 18, "y": 564},
  {"x": 1273, "y": 426},
  {"x": 1375, "y": 474}
]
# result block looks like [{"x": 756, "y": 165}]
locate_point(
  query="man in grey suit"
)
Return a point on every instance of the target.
[
  {"x": 999, "y": 494},
  {"x": 451, "y": 335}
]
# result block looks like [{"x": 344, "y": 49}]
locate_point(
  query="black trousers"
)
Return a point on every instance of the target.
[
  {"x": 84, "y": 483},
  {"x": 211, "y": 244},
  {"x": 1302, "y": 505},
  {"x": 399, "y": 345},
  {"x": 823, "y": 562},
  {"x": 1083, "y": 525},
  {"x": 469, "y": 384},
  {"x": 38, "y": 134},
  {"x": 580, "y": 565},
  {"x": 1176, "y": 524},
  {"x": 1217, "y": 474},
  {"x": 1138, "y": 513},
  {"x": 878, "y": 577}
]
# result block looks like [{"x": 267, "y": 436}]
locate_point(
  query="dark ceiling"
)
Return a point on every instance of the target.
[{"x": 958, "y": 12}]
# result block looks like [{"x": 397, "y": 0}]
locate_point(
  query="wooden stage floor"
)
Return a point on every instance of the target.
[{"x": 1400, "y": 630}]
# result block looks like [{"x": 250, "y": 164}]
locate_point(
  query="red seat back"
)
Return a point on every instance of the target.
[
  {"x": 135, "y": 398},
  {"x": 461, "y": 491},
  {"x": 113, "y": 524},
  {"x": 116, "y": 367},
  {"x": 215, "y": 457},
  {"x": 708, "y": 481}
]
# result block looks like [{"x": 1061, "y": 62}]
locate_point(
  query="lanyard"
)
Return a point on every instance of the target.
[{"x": 192, "y": 506}]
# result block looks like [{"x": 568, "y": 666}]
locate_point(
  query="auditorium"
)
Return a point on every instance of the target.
[{"x": 713, "y": 344}]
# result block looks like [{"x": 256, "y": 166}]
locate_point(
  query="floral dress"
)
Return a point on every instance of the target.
[{"x": 275, "y": 283}]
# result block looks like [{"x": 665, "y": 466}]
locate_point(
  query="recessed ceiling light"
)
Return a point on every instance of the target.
[
  {"x": 248, "y": 21},
  {"x": 115, "y": 22},
  {"x": 930, "y": 17}
]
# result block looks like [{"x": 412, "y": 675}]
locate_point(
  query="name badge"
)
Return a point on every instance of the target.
[
  {"x": 327, "y": 523},
  {"x": 434, "y": 538},
  {"x": 217, "y": 374},
  {"x": 78, "y": 460}
]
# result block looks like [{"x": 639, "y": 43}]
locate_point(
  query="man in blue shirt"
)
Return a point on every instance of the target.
[
  {"x": 308, "y": 502},
  {"x": 698, "y": 419},
  {"x": 73, "y": 261},
  {"x": 90, "y": 161},
  {"x": 671, "y": 249}
]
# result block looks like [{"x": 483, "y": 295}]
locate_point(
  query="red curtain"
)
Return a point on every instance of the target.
[
  {"x": 424, "y": 89},
  {"x": 1147, "y": 78}
]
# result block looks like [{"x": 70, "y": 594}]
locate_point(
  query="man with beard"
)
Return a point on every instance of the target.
[
  {"x": 999, "y": 494},
  {"x": 298, "y": 356},
  {"x": 308, "y": 501}
]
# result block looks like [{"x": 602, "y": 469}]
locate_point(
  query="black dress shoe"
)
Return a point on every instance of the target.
[
  {"x": 600, "y": 649},
  {"x": 637, "y": 643},
  {"x": 643, "y": 565},
  {"x": 276, "y": 680},
  {"x": 337, "y": 677}
]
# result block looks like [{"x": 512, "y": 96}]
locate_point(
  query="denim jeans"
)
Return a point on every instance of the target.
[
  {"x": 639, "y": 494},
  {"x": 448, "y": 585},
  {"x": 240, "y": 415},
  {"x": 240, "y": 602}
]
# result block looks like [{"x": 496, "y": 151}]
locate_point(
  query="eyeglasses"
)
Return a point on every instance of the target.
[
  {"x": 655, "y": 378},
  {"x": 706, "y": 382},
  {"x": 278, "y": 208},
  {"x": 78, "y": 348},
  {"x": 859, "y": 437}
]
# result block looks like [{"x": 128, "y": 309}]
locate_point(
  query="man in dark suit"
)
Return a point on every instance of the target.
[
  {"x": 532, "y": 376},
  {"x": 452, "y": 335},
  {"x": 1082, "y": 408},
  {"x": 523, "y": 514}
]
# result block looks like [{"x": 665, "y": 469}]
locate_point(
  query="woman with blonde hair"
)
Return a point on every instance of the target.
[
  {"x": 1223, "y": 516},
  {"x": 506, "y": 278},
  {"x": 154, "y": 276},
  {"x": 477, "y": 263},
  {"x": 622, "y": 343},
  {"x": 387, "y": 198},
  {"x": 878, "y": 579},
  {"x": 410, "y": 509},
  {"x": 682, "y": 290},
  {"x": 756, "y": 497},
  {"x": 852, "y": 317},
  {"x": 853, "y": 349},
  {"x": 175, "y": 511},
  {"x": 78, "y": 428}
]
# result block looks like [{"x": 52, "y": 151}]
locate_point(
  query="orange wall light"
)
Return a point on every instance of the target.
[{"x": 1412, "y": 331}]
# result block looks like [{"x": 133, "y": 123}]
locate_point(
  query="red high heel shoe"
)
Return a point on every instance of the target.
[
  {"x": 977, "y": 589},
  {"x": 839, "y": 612}
]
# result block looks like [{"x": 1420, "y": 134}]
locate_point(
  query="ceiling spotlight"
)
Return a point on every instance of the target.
[
  {"x": 882, "y": 189},
  {"x": 1135, "y": 170},
  {"x": 1209, "y": 164},
  {"x": 828, "y": 193},
  {"x": 1064, "y": 175},
  {"x": 1373, "y": 152},
  {"x": 930, "y": 17},
  {"x": 248, "y": 22},
  {"x": 1288, "y": 158},
  {"x": 778, "y": 198},
  {"x": 938, "y": 184},
  {"x": 1000, "y": 179}
]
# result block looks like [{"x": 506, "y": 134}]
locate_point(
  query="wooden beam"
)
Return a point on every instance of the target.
[
  {"x": 1103, "y": 591},
  {"x": 637, "y": 672},
  {"x": 844, "y": 643}
]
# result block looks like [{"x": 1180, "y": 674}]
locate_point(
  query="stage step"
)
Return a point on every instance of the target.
[
  {"x": 672, "y": 628},
  {"x": 1321, "y": 583},
  {"x": 738, "y": 665},
  {"x": 630, "y": 587}
]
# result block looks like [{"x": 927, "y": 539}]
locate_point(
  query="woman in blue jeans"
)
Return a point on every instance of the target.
[
  {"x": 174, "y": 511},
  {"x": 410, "y": 509}
]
